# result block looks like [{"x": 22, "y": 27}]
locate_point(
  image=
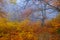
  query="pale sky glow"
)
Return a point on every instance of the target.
[{"x": 20, "y": 4}]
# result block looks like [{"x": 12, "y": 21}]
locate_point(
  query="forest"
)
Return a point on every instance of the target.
[{"x": 29, "y": 19}]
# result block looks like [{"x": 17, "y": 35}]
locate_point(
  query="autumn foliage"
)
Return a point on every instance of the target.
[{"x": 28, "y": 30}]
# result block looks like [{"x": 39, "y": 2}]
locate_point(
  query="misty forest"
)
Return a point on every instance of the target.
[{"x": 29, "y": 20}]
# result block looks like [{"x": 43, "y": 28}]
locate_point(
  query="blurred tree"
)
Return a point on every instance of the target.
[
  {"x": 2, "y": 14},
  {"x": 13, "y": 1},
  {"x": 31, "y": 7}
]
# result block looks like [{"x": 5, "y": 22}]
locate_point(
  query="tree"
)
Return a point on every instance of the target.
[
  {"x": 31, "y": 7},
  {"x": 2, "y": 14}
]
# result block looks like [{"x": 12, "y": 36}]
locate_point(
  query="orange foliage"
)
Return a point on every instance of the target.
[
  {"x": 27, "y": 30},
  {"x": 2, "y": 14}
]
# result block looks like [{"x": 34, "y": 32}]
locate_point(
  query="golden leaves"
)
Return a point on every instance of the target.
[
  {"x": 13, "y": 1},
  {"x": 26, "y": 29}
]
